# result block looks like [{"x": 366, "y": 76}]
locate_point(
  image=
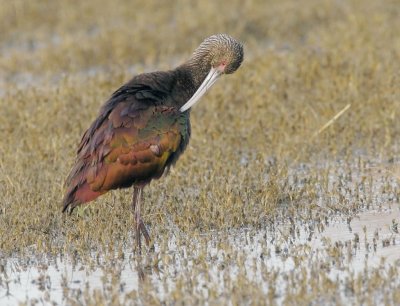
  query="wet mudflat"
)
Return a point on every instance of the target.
[
  {"x": 340, "y": 253},
  {"x": 287, "y": 194},
  {"x": 330, "y": 258}
]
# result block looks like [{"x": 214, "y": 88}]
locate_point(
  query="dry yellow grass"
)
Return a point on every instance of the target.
[{"x": 304, "y": 63}]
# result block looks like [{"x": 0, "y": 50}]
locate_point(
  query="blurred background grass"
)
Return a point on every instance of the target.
[{"x": 304, "y": 62}]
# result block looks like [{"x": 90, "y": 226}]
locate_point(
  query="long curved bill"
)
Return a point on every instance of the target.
[{"x": 210, "y": 79}]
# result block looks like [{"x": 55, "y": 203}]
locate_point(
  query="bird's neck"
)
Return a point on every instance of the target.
[
  {"x": 189, "y": 77},
  {"x": 198, "y": 67}
]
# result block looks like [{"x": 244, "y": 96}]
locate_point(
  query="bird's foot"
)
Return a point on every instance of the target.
[
  {"x": 141, "y": 230},
  {"x": 145, "y": 233}
]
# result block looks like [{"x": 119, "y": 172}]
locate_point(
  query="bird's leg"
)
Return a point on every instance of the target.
[
  {"x": 139, "y": 225},
  {"x": 143, "y": 227},
  {"x": 136, "y": 212}
]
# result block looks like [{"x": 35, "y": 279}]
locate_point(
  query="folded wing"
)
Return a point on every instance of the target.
[{"x": 131, "y": 142}]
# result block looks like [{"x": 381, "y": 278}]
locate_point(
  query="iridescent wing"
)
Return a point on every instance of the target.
[{"x": 131, "y": 142}]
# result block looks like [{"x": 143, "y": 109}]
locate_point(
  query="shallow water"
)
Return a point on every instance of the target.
[
  {"x": 333, "y": 248},
  {"x": 283, "y": 250}
]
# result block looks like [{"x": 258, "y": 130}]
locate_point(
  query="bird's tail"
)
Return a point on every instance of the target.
[
  {"x": 78, "y": 190},
  {"x": 78, "y": 195},
  {"x": 69, "y": 202}
]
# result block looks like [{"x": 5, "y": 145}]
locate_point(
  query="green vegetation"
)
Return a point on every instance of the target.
[{"x": 257, "y": 157}]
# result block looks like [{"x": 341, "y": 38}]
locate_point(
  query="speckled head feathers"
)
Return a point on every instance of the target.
[{"x": 220, "y": 49}]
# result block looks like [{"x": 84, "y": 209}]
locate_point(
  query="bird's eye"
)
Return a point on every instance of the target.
[{"x": 222, "y": 65}]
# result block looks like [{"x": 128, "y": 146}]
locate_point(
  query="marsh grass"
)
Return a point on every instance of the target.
[{"x": 253, "y": 134}]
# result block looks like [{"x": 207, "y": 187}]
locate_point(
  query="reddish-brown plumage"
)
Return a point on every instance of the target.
[
  {"x": 133, "y": 148},
  {"x": 144, "y": 127}
]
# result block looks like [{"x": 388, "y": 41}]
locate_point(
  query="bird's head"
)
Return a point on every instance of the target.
[{"x": 218, "y": 54}]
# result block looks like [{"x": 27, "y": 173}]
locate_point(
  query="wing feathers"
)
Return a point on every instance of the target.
[{"x": 131, "y": 144}]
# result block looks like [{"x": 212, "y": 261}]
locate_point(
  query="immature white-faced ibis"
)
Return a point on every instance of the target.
[{"x": 144, "y": 127}]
